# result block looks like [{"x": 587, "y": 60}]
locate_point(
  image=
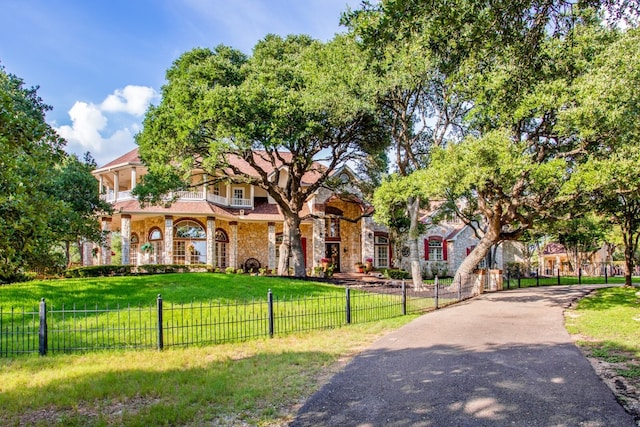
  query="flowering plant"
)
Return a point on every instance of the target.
[
  {"x": 325, "y": 260},
  {"x": 368, "y": 260}
]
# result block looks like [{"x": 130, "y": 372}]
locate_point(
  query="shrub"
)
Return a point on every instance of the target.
[
  {"x": 229, "y": 270},
  {"x": 397, "y": 274}
]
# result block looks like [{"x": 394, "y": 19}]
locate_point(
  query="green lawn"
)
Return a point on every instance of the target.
[
  {"x": 257, "y": 383},
  {"x": 197, "y": 309},
  {"x": 179, "y": 288},
  {"x": 607, "y": 325}
]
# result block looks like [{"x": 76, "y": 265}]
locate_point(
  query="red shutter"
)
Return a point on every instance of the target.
[
  {"x": 426, "y": 249},
  {"x": 444, "y": 250}
]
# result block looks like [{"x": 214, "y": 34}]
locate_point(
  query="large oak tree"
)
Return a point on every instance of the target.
[{"x": 295, "y": 107}]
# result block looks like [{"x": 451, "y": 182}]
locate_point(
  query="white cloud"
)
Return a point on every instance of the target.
[
  {"x": 90, "y": 128},
  {"x": 132, "y": 100}
]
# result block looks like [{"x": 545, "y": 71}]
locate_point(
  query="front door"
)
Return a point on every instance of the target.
[{"x": 332, "y": 251}]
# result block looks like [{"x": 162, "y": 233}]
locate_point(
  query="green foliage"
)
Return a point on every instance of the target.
[
  {"x": 396, "y": 274},
  {"x": 605, "y": 118},
  {"x": 294, "y": 102},
  {"x": 76, "y": 188},
  {"x": 30, "y": 149}
]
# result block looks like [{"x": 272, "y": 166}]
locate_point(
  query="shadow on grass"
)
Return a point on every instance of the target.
[{"x": 161, "y": 392}]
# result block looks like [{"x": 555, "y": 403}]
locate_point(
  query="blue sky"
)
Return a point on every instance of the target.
[{"x": 99, "y": 63}]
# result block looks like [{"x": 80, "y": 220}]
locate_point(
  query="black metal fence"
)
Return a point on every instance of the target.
[{"x": 161, "y": 325}]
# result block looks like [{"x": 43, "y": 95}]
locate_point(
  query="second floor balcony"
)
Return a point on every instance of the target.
[{"x": 238, "y": 202}]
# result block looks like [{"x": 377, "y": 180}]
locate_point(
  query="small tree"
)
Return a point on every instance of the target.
[{"x": 76, "y": 222}]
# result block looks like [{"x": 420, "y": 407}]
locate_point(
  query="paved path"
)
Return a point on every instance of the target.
[{"x": 502, "y": 359}]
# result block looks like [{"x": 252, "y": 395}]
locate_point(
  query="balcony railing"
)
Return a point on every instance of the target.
[
  {"x": 241, "y": 202},
  {"x": 110, "y": 196}
]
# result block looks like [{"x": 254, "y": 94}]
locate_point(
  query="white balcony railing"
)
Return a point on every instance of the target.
[
  {"x": 110, "y": 196},
  {"x": 214, "y": 198},
  {"x": 189, "y": 195},
  {"x": 245, "y": 203}
]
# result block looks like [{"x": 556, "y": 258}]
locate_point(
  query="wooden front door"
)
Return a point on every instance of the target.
[{"x": 332, "y": 251}]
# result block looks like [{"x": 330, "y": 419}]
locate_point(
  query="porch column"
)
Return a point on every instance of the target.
[
  {"x": 228, "y": 189},
  {"x": 205, "y": 188},
  {"x": 251, "y": 193},
  {"x": 367, "y": 239},
  {"x": 116, "y": 185},
  {"x": 271, "y": 251},
  {"x": 168, "y": 239},
  {"x": 101, "y": 185},
  {"x": 125, "y": 238},
  {"x": 105, "y": 258},
  {"x": 318, "y": 241},
  {"x": 233, "y": 240},
  {"x": 134, "y": 177},
  {"x": 211, "y": 240}
]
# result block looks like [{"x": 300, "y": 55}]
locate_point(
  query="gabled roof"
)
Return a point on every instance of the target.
[
  {"x": 260, "y": 157},
  {"x": 554, "y": 249}
]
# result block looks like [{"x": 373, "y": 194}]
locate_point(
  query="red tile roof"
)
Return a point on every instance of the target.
[{"x": 261, "y": 158}]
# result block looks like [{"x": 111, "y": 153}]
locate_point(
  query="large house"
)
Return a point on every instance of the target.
[
  {"x": 240, "y": 226},
  {"x": 232, "y": 225}
]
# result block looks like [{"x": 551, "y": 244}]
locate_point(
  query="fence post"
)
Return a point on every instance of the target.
[
  {"x": 348, "y": 306},
  {"x": 42, "y": 331},
  {"x": 537, "y": 279},
  {"x": 580, "y": 276},
  {"x": 606, "y": 279},
  {"x": 558, "y": 276},
  {"x": 270, "y": 312},
  {"x": 435, "y": 288},
  {"x": 519, "y": 278},
  {"x": 508, "y": 278},
  {"x": 160, "y": 331},
  {"x": 404, "y": 298}
]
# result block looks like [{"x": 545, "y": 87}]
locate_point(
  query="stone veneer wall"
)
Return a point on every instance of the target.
[{"x": 253, "y": 242}]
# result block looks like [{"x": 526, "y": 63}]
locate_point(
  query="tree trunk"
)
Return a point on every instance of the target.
[
  {"x": 291, "y": 246},
  {"x": 283, "y": 260},
  {"x": 67, "y": 252},
  {"x": 490, "y": 238},
  {"x": 413, "y": 208}
]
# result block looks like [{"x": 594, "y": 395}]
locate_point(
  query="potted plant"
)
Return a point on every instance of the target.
[
  {"x": 325, "y": 263},
  {"x": 368, "y": 264},
  {"x": 147, "y": 247},
  {"x": 359, "y": 267}
]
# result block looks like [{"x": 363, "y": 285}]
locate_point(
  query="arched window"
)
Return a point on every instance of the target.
[
  {"x": 221, "y": 248},
  {"x": 133, "y": 249},
  {"x": 156, "y": 246},
  {"x": 189, "y": 243}
]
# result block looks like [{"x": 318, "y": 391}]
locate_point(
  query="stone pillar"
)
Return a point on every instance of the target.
[
  {"x": 125, "y": 238},
  {"x": 368, "y": 242},
  {"x": 271, "y": 255},
  {"x": 105, "y": 258},
  {"x": 233, "y": 242},
  {"x": 211, "y": 240},
  {"x": 318, "y": 241},
  {"x": 168, "y": 239},
  {"x": 87, "y": 254}
]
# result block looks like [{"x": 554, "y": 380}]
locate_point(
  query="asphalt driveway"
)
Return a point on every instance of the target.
[{"x": 502, "y": 359}]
